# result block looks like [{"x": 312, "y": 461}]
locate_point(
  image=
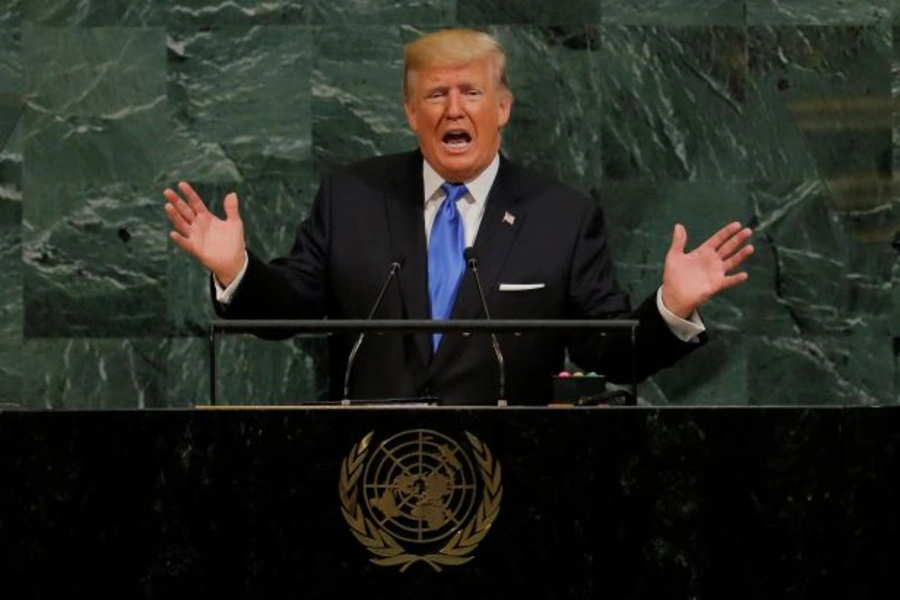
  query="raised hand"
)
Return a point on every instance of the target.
[
  {"x": 690, "y": 279},
  {"x": 217, "y": 243}
]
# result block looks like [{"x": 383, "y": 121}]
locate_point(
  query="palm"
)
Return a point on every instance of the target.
[
  {"x": 211, "y": 237},
  {"x": 217, "y": 243},
  {"x": 691, "y": 279}
]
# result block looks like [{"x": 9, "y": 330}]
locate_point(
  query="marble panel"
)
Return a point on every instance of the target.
[
  {"x": 674, "y": 12},
  {"x": 10, "y": 282},
  {"x": 93, "y": 13},
  {"x": 894, "y": 314},
  {"x": 10, "y": 314},
  {"x": 895, "y": 112},
  {"x": 532, "y": 12},
  {"x": 95, "y": 110},
  {"x": 12, "y": 77},
  {"x": 94, "y": 373},
  {"x": 715, "y": 375},
  {"x": 847, "y": 369},
  {"x": 554, "y": 73},
  {"x": 213, "y": 13},
  {"x": 356, "y": 94},
  {"x": 96, "y": 266},
  {"x": 372, "y": 12},
  {"x": 248, "y": 371},
  {"x": 817, "y": 268},
  {"x": 95, "y": 118},
  {"x": 239, "y": 103},
  {"x": 11, "y": 373},
  {"x": 11, "y": 15},
  {"x": 11, "y": 134},
  {"x": 820, "y": 106},
  {"x": 674, "y": 103},
  {"x": 11, "y": 107},
  {"x": 251, "y": 371},
  {"x": 895, "y": 346},
  {"x": 94, "y": 71},
  {"x": 823, "y": 12},
  {"x": 187, "y": 372},
  {"x": 79, "y": 152}
]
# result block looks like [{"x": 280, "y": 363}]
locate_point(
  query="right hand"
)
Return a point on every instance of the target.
[{"x": 218, "y": 244}]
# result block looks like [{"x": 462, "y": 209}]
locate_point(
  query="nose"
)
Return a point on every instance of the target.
[{"x": 454, "y": 105}]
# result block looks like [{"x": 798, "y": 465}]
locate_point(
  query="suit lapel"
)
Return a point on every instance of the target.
[
  {"x": 503, "y": 217},
  {"x": 405, "y": 211}
]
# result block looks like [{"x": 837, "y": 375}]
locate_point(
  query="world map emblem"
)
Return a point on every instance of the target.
[{"x": 420, "y": 496}]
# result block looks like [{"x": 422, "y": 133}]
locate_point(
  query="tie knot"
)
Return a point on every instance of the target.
[{"x": 454, "y": 191}]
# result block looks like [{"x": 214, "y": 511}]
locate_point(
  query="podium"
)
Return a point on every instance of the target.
[
  {"x": 362, "y": 327},
  {"x": 561, "y": 503}
]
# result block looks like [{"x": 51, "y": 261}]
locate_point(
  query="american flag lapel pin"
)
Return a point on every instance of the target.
[{"x": 508, "y": 218}]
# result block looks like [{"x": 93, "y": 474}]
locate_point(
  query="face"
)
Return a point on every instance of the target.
[{"x": 457, "y": 112}]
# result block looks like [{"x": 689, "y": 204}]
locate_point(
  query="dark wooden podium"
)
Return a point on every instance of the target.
[{"x": 717, "y": 503}]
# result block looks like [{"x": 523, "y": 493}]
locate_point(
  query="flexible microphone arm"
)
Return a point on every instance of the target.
[
  {"x": 472, "y": 264},
  {"x": 395, "y": 268}
]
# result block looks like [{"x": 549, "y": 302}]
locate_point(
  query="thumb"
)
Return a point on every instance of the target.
[
  {"x": 679, "y": 239},
  {"x": 230, "y": 204}
]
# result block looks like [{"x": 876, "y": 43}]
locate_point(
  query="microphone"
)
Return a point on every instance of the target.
[
  {"x": 472, "y": 265},
  {"x": 392, "y": 274}
]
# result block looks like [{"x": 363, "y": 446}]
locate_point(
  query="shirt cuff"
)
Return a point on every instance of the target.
[
  {"x": 685, "y": 330},
  {"x": 223, "y": 294}
]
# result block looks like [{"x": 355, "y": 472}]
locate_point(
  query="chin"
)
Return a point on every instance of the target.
[{"x": 456, "y": 168}]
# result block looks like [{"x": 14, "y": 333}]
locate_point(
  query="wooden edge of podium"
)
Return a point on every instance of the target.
[
  {"x": 375, "y": 406},
  {"x": 306, "y": 406}
]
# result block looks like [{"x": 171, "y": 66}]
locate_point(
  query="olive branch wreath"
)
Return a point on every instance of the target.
[{"x": 457, "y": 550}]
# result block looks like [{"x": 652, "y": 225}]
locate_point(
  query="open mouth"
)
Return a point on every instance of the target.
[{"x": 456, "y": 140}]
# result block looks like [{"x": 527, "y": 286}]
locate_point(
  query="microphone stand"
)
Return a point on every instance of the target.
[
  {"x": 395, "y": 267},
  {"x": 472, "y": 263}
]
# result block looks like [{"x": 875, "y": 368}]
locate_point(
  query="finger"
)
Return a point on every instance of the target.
[
  {"x": 734, "y": 242},
  {"x": 231, "y": 207},
  {"x": 177, "y": 220},
  {"x": 738, "y": 259},
  {"x": 181, "y": 241},
  {"x": 722, "y": 235},
  {"x": 733, "y": 280},
  {"x": 183, "y": 209},
  {"x": 679, "y": 239},
  {"x": 193, "y": 199}
]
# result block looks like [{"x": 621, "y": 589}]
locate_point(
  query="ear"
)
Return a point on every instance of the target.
[
  {"x": 411, "y": 116},
  {"x": 504, "y": 107}
]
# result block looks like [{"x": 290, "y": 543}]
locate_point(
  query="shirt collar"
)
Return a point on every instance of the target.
[{"x": 478, "y": 187}]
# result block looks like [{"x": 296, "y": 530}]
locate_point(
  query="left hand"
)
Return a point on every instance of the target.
[{"x": 690, "y": 279}]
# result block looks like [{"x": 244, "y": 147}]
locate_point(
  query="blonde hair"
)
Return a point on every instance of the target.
[{"x": 453, "y": 47}]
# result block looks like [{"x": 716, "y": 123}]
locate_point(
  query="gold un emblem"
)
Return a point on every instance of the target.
[{"x": 419, "y": 496}]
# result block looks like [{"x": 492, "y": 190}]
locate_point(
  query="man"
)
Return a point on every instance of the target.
[{"x": 541, "y": 247}]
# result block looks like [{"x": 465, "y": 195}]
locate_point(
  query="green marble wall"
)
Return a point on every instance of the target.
[{"x": 777, "y": 113}]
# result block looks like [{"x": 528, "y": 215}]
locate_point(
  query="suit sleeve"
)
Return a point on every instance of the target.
[
  {"x": 595, "y": 294},
  {"x": 291, "y": 287}
]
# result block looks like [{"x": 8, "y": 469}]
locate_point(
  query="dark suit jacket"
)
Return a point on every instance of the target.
[{"x": 370, "y": 214}]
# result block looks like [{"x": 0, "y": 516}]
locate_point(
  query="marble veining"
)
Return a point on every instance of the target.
[{"x": 776, "y": 114}]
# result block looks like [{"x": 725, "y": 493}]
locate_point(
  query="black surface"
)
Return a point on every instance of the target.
[{"x": 597, "y": 503}]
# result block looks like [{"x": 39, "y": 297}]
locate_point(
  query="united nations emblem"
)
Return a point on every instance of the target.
[{"x": 420, "y": 496}]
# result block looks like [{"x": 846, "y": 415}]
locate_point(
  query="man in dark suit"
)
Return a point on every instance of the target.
[{"x": 541, "y": 247}]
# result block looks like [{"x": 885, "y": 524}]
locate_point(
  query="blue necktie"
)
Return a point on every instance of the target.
[{"x": 445, "y": 256}]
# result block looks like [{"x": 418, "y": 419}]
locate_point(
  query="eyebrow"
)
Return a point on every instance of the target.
[{"x": 466, "y": 86}]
